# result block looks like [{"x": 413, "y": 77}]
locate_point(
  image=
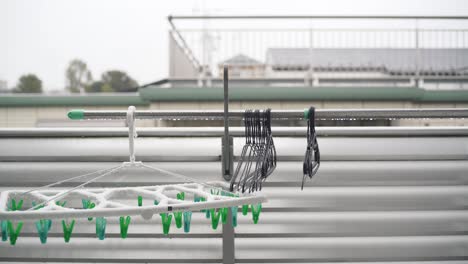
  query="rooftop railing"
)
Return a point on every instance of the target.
[{"x": 321, "y": 47}]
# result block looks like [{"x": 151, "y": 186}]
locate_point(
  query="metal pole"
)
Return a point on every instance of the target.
[
  {"x": 226, "y": 104},
  {"x": 228, "y": 229},
  {"x": 226, "y": 145},
  {"x": 111, "y": 132},
  {"x": 228, "y": 240},
  {"x": 321, "y": 114},
  {"x": 131, "y": 132},
  {"x": 418, "y": 55}
]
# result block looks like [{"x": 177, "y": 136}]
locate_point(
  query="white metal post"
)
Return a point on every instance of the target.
[{"x": 131, "y": 132}]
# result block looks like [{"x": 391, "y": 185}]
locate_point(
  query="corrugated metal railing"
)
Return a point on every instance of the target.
[{"x": 382, "y": 195}]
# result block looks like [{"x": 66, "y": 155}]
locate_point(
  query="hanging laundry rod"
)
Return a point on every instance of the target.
[{"x": 324, "y": 114}]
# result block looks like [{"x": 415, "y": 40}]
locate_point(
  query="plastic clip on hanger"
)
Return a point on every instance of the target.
[
  {"x": 178, "y": 215},
  {"x": 43, "y": 226},
  {"x": 101, "y": 227},
  {"x": 67, "y": 229},
  {"x": 10, "y": 229},
  {"x": 312, "y": 155},
  {"x": 124, "y": 223}
]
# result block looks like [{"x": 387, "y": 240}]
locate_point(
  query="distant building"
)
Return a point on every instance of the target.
[
  {"x": 242, "y": 66},
  {"x": 3, "y": 86},
  {"x": 379, "y": 62}
]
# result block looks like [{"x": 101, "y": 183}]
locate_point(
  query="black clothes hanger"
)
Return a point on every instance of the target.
[
  {"x": 312, "y": 155},
  {"x": 258, "y": 156}
]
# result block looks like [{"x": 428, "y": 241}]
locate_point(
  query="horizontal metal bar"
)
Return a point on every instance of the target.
[
  {"x": 212, "y": 158},
  {"x": 313, "y": 17},
  {"x": 396, "y": 78},
  {"x": 207, "y": 149},
  {"x": 234, "y": 131},
  {"x": 338, "y": 114},
  {"x": 251, "y": 235},
  {"x": 334, "y": 29},
  {"x": 107, "y": 259},
  {"x": 133, "y": 235}
]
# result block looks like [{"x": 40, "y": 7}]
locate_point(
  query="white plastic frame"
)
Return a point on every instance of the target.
[
  {"x": 106, "y": 199},
  {"x": 106, "y": 204}
]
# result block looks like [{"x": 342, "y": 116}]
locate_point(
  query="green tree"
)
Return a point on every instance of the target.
[
  {"x": 29, "y": 83},
  {"x": 119, "y": 81},
  {"x": 106, "y": 88},
  {"x": 99, "y": 87},
  {"x": 95, "y": 87},
  {"x": 78, "y": 77}
]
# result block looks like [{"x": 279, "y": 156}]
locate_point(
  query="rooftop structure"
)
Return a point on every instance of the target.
[
  {"x": 385, "y": 61},
  {"x": 242, "y": 66},
  {"x": 345, "y": 49}
]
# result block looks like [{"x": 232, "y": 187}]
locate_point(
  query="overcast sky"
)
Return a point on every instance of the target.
[{"x": 42, "y": 36}]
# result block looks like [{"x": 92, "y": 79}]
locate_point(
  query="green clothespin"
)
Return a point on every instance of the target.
[
  {"x": 4, "y": 227},
  {"x": 245, "y": 209},
  {"x": 207, "y": 213},
  {"x": 15, "y": 206},
  {"x": 43, "y": 226},
  {"x": 124, "y": 223},
  {"x": 256, "y": 209},
  {"x": 101, "y": 227},
  {"x": 14, "y": 232},
  {"x": 181, "y": 196},
  {"x": 234, "y": 216},
  {"x": 61, "y": 203},
  {"x": 19, "y": 205},
  {"x": 215, "y": 218},
  {"x": 178, "y": 219},
  {"x": 225, "y": 193},
  {"x": 187, "y": 220},
  {"x": 87, "y": 204},
  {"x": 166, "y": 221},
  {"x": 306, "y": 114},
  {"x": 178, "y": 215},
  {"x": 224, "y": 215},
  {"x": 199, "y": 200},
  {"x": 67, "y": 230},
  {"x": 37, "y": 208},
  {"x": 140, "y": 200}
]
